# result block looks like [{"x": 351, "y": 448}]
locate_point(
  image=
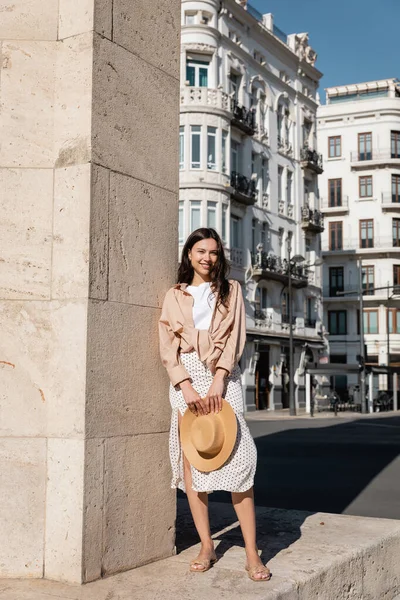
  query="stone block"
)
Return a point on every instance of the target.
[
  {"x": 342, "y": 581},
  {"x": 135, "y": 116},
  {"x": 70, "y": 266},
  {"x": 139, "y": 271},
  {"x": 42, "y": 368},
  {"x": 139, "y": 506},
  {"x": 98, "y": 260},
  {"x": 80, "y": 16},
  {"x": 26, "y": 206},
  {"x": 28, "y": 20},
  {"x": 64, "y": 510},
  {"x": 93, "y": 513},
  {"x": 127, "y": 388},
  {"x": 73, "y": 101},
  {"x": 27, "y": 100},
  {"x": 151, "y": 34},
  {"x": 22, "y": 485},
  {"x": 381, "y": 573}
]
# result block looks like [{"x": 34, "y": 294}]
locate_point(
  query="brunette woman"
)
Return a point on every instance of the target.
[{"x": 202, "y": 336}]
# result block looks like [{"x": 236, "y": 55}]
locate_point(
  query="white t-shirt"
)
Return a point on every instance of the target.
[{"x": 203, "y": 305}]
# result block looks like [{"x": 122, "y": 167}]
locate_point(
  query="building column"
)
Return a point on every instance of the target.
[{"x": 87, "y": 184}]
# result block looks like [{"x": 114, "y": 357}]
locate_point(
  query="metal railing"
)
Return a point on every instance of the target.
[
  {"x": 311, "y": 157},
  {"x": 203, "y": 96},
  {"x": 286, "y": 320},
  {"x": 236, "y": 256},
  {"x": 312, "y": 217},
  {"x": 355, "y": 244},
  {"x": 374, "y": 154},
  {"x": 390, "y": 198},
  {"x": 243, "y": 185},
  {"x": 275, "y": 264},
  {"x": 243, "y": 116},
  {"x": 311, "y": 323},
  {"x": 335, "y": 203}
]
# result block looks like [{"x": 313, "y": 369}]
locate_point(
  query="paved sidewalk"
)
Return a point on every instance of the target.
[
  {"x": 277, "y": 415},
  {"x": 312, "y": 556}
]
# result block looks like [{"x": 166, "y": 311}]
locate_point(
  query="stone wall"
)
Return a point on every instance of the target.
[{"x": 88, "y": 234}]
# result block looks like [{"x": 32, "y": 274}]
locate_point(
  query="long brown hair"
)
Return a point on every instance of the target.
[{"x": 219, "y": 272}]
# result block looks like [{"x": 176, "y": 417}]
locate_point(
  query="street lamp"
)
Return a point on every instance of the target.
[{"x": 291, "y": 261}]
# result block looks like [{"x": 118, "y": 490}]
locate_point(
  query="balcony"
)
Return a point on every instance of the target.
[
  {"x": 375, "y": 157},
  {"x": 286, "y": 320},
  {"x": 269, "y": 266},
  {"x": 205, "y": 97},
  {"x": 311, "y": 159},
  {"x": 379, "y": 245},
  {"x": 310, "y": 323},
  {"x": 235, "y": 256},
  {"x": 244, "y": 189},
  {"x": 337, "y": 206},
  {"x": 312, "y": 220},
  {"x": 390, "y": 201},
  {"x": 243, "y": 118}
]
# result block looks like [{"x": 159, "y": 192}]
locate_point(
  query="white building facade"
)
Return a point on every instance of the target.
[
  {"x": 359, "y": 132},
  {"x": 249, "y": 168}
]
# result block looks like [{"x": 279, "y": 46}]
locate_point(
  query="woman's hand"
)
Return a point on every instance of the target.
[
  {"x": 195, "y": 402},
  {"x": 213, "y": 400}
]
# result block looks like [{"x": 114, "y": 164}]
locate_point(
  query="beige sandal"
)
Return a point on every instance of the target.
[
  {"x": 257, "y": 570},
  {"x": 205, "y": 564}
]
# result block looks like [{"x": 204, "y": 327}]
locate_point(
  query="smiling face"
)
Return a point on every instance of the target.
[{"x": 203, "y": 256}]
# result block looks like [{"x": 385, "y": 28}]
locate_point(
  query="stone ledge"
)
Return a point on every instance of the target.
[{"x": 311, "y": 555}]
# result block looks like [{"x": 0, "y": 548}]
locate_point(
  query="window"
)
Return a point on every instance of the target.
[
  {"x": 224, "y": 215},
  {"x": 211, "y": 148},
  {"x": 253, "y": 235},
  {"x": 368, "y": 280},
  {"x": 264, "y": 298},
  {"x": 235, "y": 156},
  {"x": 307, "y": 126},
  {"x": 366, "y": 233},
  {"x": 181, "y": 147},
  {"x": 280, "y": 176},
  {"x": 396, "y": 233},
  {"x": 365, "y": 186},
  {"x": 395, "y": 144},
  {"x": 335, "y": 192},
  {"x": 394, "y": 320},
  {"x": 289, "y": 187},
  {"x": 336, "y": 280},
  {"x": 335, "y": 146},
  {"x": 195, "y": 214},
  {"x": 235, "y": 232},
  {"x": 371, "y": 321},
  {"x": 212, "y": 214},
  {"x": 234, "y": 85},
  {"x": 337, "y": 322},
  {"x": 195, "y": 145},
  {"x": 396, "y": 276},
  {"x": 364, "y": 146},
  {"x": 263, "y": 235},
  {"x": 395, "y": 188},
  {"x": 190, "y": 18},
  {"x": 181, "y": 223},
  {"x": 336, "y": 235},
  {"x": 224, "y": 145},
  {"x": 264, "y": 175},
  {"x": 197, "y": 72}
]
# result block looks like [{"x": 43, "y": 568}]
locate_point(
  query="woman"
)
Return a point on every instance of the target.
[{"x": 202, "y": 335}]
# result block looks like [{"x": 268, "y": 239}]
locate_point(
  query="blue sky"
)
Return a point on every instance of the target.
[{"x": 356, "y": 40}]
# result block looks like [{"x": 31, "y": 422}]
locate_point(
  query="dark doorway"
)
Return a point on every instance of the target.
[
  {"x": 262, "y": 381},
  {"x": 339, "y": 382},
  {"x": 285, "y": 377}
]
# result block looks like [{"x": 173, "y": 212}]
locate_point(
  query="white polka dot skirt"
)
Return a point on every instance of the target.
[{"x": 237, "y": 474}]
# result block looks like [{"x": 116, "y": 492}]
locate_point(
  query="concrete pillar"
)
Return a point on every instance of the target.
[
  {"x": 395, "y": 391},
  {"x": 88, "y": 230},
  {"x": 308, "y": 393},
  {"x": 371, "y": 392}
]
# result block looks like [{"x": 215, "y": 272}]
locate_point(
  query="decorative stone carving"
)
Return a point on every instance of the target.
[
  {"x": 304, "y": 50},
  {"x": 199, "y": 47}
]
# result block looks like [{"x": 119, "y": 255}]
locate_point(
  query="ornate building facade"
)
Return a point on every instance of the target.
[
  {"x": 359, "y": 130},
  {"x": 249, "y": 167}
]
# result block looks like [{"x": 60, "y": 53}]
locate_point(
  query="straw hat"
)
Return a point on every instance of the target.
[{"x": 208, "y": 440}]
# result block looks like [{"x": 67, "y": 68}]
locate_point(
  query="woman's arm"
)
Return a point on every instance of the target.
[
  {"x": 236, "y": 340},
  {"x": 169, "y": 344}
]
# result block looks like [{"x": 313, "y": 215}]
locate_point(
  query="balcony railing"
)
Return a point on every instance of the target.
[
  {"x": 203, "y": 96},
  {"x": 332, "y": 205},
  {"x": 374, "y": 155},
  {"x": 312, "y": 219},
  {"x": 311, "y": 159},
  {"x": 286, "y": 320},
  {"x": 391, "y": 201},
  {"x": 269, "y": 266},
  {"x": 370, "y": 244},
  {"x": 311, "y": 323},
  {"x": 335, "y": 292},
  {"x": 244, "y": 189},
  {"x": 243, "y": 118},
  {"x": 236, "y": 257}
]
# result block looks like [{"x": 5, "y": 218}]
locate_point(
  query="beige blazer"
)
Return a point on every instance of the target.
[{"x": 219, "y": 346}]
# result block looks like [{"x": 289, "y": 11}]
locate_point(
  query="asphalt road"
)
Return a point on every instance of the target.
[{"x": 349, "y": 466}]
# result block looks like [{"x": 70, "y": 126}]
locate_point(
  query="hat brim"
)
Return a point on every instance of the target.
[{"x": 229, "y": 422}]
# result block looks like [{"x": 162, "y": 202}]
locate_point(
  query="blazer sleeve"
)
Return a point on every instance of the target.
[
  {"x": 236, "y": 340},
  {"x": 169, "y": 343}
]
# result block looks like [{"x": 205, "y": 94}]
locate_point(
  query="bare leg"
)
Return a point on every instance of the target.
[
  {"x": 244, "y": 507},
  {"x": 198, "y": 502}
]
